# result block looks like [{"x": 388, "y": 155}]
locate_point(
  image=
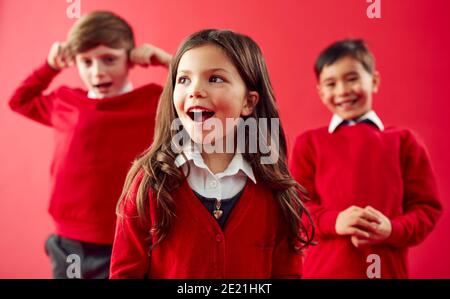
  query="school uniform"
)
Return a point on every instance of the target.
[
  {"x": 363, "y": 163},
  {"x": 96, "y": 141},
  {"x": 251, "y": 243}
]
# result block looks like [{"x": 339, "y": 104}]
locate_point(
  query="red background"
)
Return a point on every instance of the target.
[{"x": 410, "y": 42}]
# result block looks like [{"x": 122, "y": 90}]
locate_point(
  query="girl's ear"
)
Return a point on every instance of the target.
[{"x": 250, "y": 103}]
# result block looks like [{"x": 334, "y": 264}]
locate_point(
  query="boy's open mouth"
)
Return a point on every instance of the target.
[
  {"x": 199, "y": 114},
  {"x": 103, "y": 85}
]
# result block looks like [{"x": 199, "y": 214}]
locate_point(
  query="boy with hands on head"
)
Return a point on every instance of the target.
[
  {"x": 145, "y": 55},
  {"x": 98, "y": 133}
]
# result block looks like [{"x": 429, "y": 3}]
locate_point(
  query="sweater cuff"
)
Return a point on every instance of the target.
[
  {"x": 395, "y": 238},
  {"x": 326, "y": 223},
  {"x": 45, "y": 72}
]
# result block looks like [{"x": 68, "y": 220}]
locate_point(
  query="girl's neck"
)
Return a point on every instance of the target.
[{"x": 217, "y": 162}]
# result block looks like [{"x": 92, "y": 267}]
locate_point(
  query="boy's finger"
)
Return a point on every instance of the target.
[
  {"x": 71, "y": 62},
  {"x": 363, "y": 223},
  {"x": 358, "y": 242},
  {"x": 58, "y": 48},
  {"x": 355, "y": 208},
  {"x": 359, "y": 233},
  {"x": 374, "y": 211},
  {"x": 59, "y": 61},
  {"x": 371, "y": 216},
  {"x": 132, "y": 55},
  {"x": 65, "y": 52}
]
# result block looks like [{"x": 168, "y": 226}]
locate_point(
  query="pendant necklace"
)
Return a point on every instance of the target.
[{"x": 217, "y": 211}]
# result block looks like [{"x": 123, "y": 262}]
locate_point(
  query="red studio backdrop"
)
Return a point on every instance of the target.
[{"x": 409, "y": 38}]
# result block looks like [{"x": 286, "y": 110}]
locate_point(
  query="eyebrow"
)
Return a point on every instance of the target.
[
  {"x": 208, "y": 70},
  {"x": 351, "y": 73},
  {"x": 98, "y": 56},
  {"x": 329, "y": 79}
]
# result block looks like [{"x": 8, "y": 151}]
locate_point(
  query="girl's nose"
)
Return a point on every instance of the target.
[{"x": 197, "y": 90}]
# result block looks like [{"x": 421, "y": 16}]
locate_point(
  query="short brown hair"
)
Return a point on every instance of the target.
[
  {"x": 100, "y": 28},
  {"x": 355, "y": 48}
]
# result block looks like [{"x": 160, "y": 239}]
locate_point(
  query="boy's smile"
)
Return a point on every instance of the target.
[
  {"x": 103, "y": 70},
  {"x": 346, "y": 88}
]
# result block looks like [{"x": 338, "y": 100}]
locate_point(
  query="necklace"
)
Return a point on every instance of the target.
[{"x": 217, "y": 211}]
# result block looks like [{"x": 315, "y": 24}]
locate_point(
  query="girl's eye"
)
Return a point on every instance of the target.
[
  {"x": 330, "y": 84},
  {"x": 216, "y": 79},
  {"x": 182, "y": 80},
  {"x": 352, "y": 79}
]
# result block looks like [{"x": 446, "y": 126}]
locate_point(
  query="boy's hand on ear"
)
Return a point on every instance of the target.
[
  {"x": 58, "y": 58},
  {"x": 381, "y": 233},
  {"x": 356, "y": 221},
  {"x": 147, "y": 54}
]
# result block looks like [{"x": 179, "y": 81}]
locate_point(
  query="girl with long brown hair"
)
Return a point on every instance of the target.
[{"x": 187, "y": 211}]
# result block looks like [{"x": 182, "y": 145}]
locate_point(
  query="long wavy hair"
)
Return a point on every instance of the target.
[{"x": 156, "y": 166}]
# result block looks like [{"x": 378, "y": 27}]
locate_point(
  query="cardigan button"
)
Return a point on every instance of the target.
[{"x": 219, "y": 238}]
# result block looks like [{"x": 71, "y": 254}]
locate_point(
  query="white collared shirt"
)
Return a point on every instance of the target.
[
  {"x": 336, "y": 120},
  {"x": 223, "y": 185},
  {"x": 127, "y": 88}
]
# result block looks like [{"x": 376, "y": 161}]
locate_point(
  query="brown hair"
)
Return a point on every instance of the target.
[
  {"x": 100, "y": 28},
  {"x": 355, "y": 48},
  {"x": 162, "y": 177}
]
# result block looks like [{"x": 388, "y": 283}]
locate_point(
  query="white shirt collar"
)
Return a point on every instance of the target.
[
  {"x": 238, "y": 163},
  {"x": 127, "y": 88},
  {"x": 336, "y": 120}
]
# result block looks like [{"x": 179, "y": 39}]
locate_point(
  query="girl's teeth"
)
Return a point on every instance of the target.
[
  {"x": 200, "y": 115},
  {"x": 199, "y": 110}
]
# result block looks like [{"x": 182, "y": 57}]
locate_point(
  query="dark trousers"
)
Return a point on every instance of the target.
[{"x": 76, "y": 259}]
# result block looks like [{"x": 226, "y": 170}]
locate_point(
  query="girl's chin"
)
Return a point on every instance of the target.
[{"x": 211, "y": 140}]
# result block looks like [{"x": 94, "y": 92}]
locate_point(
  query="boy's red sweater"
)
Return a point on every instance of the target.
[
  {"x": 96, "y": 141},
  {"x": 361, "y": 165}
]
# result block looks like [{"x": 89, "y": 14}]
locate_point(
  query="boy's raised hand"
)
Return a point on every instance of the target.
[
  {"x": 147, "y": 54},
  {"x": 381, "y": 233},
  {"x": 58, "y": 58},
  {"x": 356, "y": 221}
]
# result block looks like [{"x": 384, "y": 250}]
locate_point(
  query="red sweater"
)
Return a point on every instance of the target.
[
  {"x": 361, "y": 165},
  {"x": 96, "y": 141},
  {"x": 253, "y": 243}
]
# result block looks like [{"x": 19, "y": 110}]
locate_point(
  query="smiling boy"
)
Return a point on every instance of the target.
[
  {"x": 372, "y": 188},
  {"x": 99, "y": 132}
]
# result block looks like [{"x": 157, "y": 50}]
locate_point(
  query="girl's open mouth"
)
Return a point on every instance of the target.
[{"x": 200, "y": 114}]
